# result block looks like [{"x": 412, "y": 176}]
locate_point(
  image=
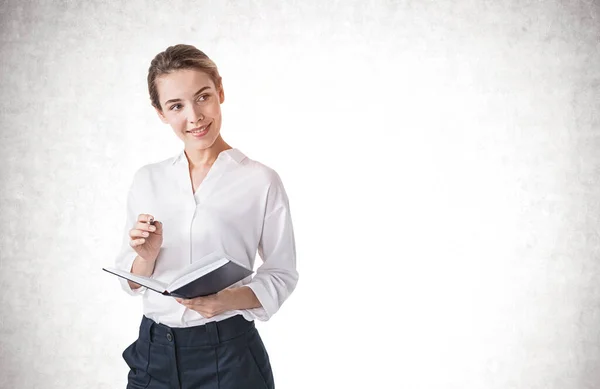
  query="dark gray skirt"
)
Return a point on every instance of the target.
[{"x": 218, "y": 355}]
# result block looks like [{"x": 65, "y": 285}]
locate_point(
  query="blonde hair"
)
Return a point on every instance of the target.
[{"x": 179, "y": 57}]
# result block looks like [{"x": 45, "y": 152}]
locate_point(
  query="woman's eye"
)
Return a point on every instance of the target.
[
  {"x": 174, "y": 105},
  {"x": 202, "y": 97}
]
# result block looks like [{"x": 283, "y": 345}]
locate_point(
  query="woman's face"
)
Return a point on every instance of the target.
[{"x": 191, "y": 105}]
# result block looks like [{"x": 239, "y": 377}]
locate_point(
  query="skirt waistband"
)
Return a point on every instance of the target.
[{"x": 208, "y": 334}]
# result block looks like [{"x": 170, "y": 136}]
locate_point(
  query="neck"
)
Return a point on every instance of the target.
[{"x": 206, "y": 157}]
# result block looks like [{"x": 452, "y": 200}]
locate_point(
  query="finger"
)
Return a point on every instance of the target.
[
  {"x": 138, "y": 234},
  {"x": 145, "y": 227},
  {"x": 198, "y": 301},
  {"x": 137, "y": 242},
  {"x": 145, "y": 218},
  {"x": 202, "y": 311},
  {"x": 158, "y": 227}
]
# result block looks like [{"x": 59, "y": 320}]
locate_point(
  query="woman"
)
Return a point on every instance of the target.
[{"x": 209, "y": 198}]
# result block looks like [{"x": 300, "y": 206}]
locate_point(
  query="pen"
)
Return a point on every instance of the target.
[{"x": 151, "y": 221}]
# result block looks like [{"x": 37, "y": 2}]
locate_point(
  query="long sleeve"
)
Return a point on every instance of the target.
[
  {"x": 277, "y": 277},
  {"x": 127, "y": 254}
]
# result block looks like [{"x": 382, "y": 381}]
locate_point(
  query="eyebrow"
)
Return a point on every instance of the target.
[{"x": 195, "y": 94}]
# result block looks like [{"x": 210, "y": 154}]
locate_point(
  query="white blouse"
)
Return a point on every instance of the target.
[{"x": 240, "y": 208}]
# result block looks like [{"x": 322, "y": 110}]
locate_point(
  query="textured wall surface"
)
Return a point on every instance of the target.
[{"x": 442, "y": 162}]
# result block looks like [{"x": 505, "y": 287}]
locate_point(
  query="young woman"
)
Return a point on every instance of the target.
[{"x": 210, "y": 198}]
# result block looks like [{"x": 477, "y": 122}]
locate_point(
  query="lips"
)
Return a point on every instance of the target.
[{"x": 200, "y": 131}]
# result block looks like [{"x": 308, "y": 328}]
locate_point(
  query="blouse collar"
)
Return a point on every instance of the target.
[{"x": 233, "y": 154}]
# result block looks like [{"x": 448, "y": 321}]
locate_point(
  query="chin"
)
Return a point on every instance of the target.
[{"x": 200, "y": 143}]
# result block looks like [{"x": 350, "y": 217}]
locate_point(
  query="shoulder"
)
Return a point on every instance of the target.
[
  {"x": 147, "y": 172},
  {"x": 260, "y": 171},
  {"x": 266, "y": 180}
]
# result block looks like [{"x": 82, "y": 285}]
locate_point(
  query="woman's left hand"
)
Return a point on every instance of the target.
[{"x": 208, "y": 306}]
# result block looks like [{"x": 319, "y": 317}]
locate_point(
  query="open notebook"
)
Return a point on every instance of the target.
[{"x": 204, "y": 277}]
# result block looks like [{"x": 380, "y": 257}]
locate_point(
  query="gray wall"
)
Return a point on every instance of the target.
[{"x": 441, "y": 160}]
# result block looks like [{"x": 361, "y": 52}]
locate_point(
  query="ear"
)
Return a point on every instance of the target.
[
  {"x": 161, "y": 115},
  {"x": 221, "y": 94}
]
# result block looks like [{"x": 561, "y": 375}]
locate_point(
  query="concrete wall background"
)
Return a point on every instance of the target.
[{"x": 441, "y": 161}]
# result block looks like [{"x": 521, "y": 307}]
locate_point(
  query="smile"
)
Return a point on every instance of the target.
[{"x": 200, "y": 131}]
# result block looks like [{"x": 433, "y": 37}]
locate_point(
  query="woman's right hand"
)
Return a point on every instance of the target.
[{"x": 146, "y": 238}]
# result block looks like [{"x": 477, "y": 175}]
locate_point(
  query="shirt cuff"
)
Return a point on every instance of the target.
[
  {"x": 128, "y": 263},
  {"x": 268, "y": 308}
]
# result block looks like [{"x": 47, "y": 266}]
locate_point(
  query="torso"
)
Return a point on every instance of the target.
[{"x": 225, "y": 214}]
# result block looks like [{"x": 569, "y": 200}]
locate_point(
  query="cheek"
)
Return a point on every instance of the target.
[
  {"x": 215, "y": 111},
  {"x": 178, "y": 122}
]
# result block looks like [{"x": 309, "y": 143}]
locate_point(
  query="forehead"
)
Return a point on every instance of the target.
[{"x": 182, "y": 84}]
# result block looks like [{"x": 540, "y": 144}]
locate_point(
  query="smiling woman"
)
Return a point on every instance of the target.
[
  {"x": 209, "y": 198},
  {"x": 186, "y": 91},
  {"x": 195, "y": 115}
]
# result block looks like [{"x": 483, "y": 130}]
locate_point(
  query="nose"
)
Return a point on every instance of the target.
[{"x": 195, "y": 115}]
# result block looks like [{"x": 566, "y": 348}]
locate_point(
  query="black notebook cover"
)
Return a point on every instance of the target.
[{"x": 213, "y": 282}]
